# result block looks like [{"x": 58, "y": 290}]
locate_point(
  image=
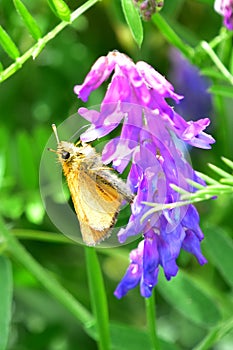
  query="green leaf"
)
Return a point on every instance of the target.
[
  {"x": 228, "y": 182},
  {"x": 1, "y": 67},
  {"x": 219, "y": 171},
  {"x": 11, "y": 206},
  {"x": 227, "y": 162},
  {"x": 188, "y": 299},
  {"x": 29, "y": 21},
  {"x": 221, "y": 90},
  {"x": 8, "y": 45},
  {"x": 131, "y": 338},
  {"x": 173, "y": 37},
  {"x": 2, "y": 168},
  {"x": 6, "y": 292},
  {"x": 98, "y": 297},
  {"x": 28, "y": 172},
  {"x": 211, "y": 73},
  {"x": 207, "y": 178},
  {"x": 133, "y": 20},
  {"x": 219, "y": 249},
  {"x": 61, "y": 9},
  {"x": 215, "y": 335}
]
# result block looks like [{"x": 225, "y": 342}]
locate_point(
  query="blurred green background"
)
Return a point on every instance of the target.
[{"x": 41, "y": 93}]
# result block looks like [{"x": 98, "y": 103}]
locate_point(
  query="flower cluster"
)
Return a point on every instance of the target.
[
  {"x": 148, "y": 7},
  {"x": 225, "y": 8},
  {"x": 149, "y": 139}
]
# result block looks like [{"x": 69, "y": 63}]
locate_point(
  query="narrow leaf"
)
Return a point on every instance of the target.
[
  {"x": 8, "y": 45},
  {"x": 98, "y": 297},
  {"x": 61, "y": 9},
  {"x": 227, "y": 162},
  {"x": 215, "y": 335},
  {"x": 6, "y": 300},
  {"x": 207, "y": 178},
  {"x": 220, "y": 171},
  {"x": 219, "y": 248},
  {"x": 29, "y": 21},
  {"x": 188, "y": 299},
  {"x": 1, "y": 67},
  {"x": 221, "y": 90},
  {"x": 133, "y": 20},
  {"x": 178, "y": 189},
  {"x": 130, "y": 338},
  {"x": 228, "y": 182},
  {"x": 211, "y": 73},
  {"x": 195, "y": 184}
]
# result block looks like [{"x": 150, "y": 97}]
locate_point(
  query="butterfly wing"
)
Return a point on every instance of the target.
[{"x": 96, "y": 203}]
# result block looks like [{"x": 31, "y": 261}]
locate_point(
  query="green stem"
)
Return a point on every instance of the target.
[
  {"x": 172, "y": 37},
  {"x": 47, "y": 280},
  {"x": 38, "y": 47},
  {"x": 224, "y": 35},
  {"x": 151, "y": 321},
  {"x": 207, "y": 48},
  {"x": 215, "y": 335},
  {"x": 98, "y": 298},
  {"x": 223, "y": 129},
  {"x": 43, "y": 236}
]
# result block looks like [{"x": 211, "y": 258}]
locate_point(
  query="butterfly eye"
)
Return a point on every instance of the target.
[{"x": 65, "y": 155}]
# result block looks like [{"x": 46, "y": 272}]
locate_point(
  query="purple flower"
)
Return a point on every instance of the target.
[
  {"x": 225, "y": 8},
  {"x": 150, "y": 139}
]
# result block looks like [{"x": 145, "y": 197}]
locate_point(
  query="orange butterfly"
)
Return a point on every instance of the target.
[{"x": 97, "y": 193}]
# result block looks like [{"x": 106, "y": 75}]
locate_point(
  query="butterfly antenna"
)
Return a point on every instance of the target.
[
  {"x": 55, "y": 132},
  {"x": 52, "y": 150}
]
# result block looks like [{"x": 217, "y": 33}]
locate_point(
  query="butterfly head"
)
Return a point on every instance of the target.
[{"x": 68, "y": 151}]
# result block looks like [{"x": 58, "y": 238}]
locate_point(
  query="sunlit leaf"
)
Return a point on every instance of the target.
[
  {"x": 29, "y": 21},
  {"x": 6, "y": 300},
  {"x": 228, "y": 162},
  {"x": 220, "y": 171},
  {"x": 8, "y": 45},
  {"x": 61, "y": 9},
  {"x": 133, "y": 20},
  {"x": 35, "y": 211}
]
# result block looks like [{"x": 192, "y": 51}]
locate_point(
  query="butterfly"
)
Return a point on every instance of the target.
[{"x": 96, "y": 191}]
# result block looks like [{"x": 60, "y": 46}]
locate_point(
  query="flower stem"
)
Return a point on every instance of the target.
[
  {"x": 210, "y": 52},
  {"x": 98, "y": 298},
  {"x": 151, "y": 321},
  {"x": 14, "y": 247},
  {"x": 172, "y": 37},
  {"x": 36, "y": 235},
  {"x": 40, "y": 44},
  {"x": 215, "y": 334}
]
